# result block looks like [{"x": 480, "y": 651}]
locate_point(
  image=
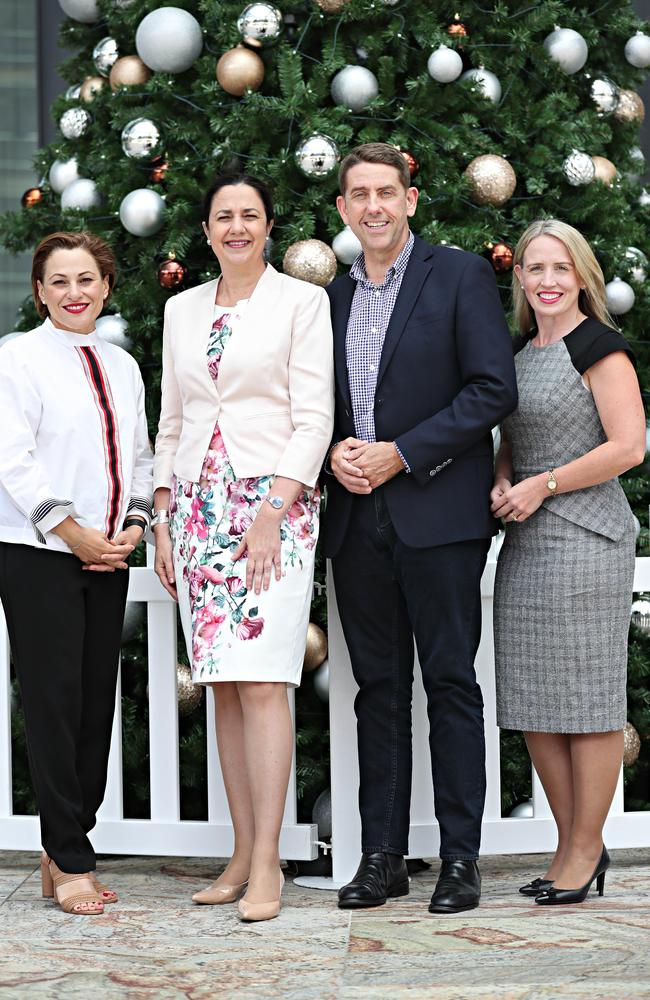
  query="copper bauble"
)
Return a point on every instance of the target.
[
  {"x": 631, "y": 744},
  {"x": 412, "y": 163},
  {"x": 501, "y": 257},
  {"x": 332, "y": 6},
  {"x": 159, "y": 171},
  {"x": 457, "y": 28},
  {"x": 240, "y": 69},
  {"x": 171, "y": 274},
  {"x": 630, "y": 107},
  {"x": 316, "y": 648},
  {"x": 32, "y": 196},
  {"x": 491, "y": 179},
  {"x": 90, "y": 88},
  {"x": 310, "y": 260},
  {"x": 128, "y": 71},
  {"x": 605, "y": 170},
  {"x": 189, "y": 693}
]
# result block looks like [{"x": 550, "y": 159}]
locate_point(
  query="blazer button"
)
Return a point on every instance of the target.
[
  {"x": 432, "y": 472},
  {"x": 347, "y": 413}
]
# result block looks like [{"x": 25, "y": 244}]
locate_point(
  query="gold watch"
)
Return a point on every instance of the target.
[{"x": 551, "y": 482}]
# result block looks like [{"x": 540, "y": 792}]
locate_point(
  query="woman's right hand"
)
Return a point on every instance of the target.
[
  {"x": 164, "y": 562},
  {"x": 501, "y": 486},
  {"x": 90, "y": 545}
]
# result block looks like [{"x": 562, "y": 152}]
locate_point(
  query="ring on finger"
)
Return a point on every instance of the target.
[{"x": 515, "y": 517}]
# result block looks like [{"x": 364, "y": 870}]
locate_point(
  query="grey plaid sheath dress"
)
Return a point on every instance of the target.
[{"x": 564, "y": 578}]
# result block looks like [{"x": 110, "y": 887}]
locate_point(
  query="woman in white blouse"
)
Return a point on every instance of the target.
[
  {"x": 75, "y": 496},
  {"x": 247, "y": 413}
]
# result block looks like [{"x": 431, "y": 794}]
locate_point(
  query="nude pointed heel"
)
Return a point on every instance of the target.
[
  {"x": 261, "y": 911},
  {"x": 215, "y": 895}
]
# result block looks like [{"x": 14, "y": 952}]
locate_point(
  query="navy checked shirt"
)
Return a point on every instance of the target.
[{"x": 370, "y": 313}]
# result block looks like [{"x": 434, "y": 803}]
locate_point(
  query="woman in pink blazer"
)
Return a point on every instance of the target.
[{"x": 246, "y": 420}]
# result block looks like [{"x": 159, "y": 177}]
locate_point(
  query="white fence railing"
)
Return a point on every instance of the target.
[{"x": 165, "y": 833}]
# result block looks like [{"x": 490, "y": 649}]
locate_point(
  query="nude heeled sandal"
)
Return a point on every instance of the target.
[
  {"x": 218, "y": 894},
  {"x": 47, "y": 885},
  {"x": 261, "y": 911},
  {"x": 82, "y": 904}
]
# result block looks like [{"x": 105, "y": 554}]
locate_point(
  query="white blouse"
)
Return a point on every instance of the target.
[{"x": 73, "y": 436}]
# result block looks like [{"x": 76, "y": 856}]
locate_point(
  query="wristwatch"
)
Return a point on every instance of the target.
[
  {"x": 276, "y": 502},
  {"x": 160, "y": 517},
  {"x": 551, "y": 482}
]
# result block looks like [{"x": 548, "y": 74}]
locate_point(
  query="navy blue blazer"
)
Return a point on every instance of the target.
[{"x": 446, "y": 378}]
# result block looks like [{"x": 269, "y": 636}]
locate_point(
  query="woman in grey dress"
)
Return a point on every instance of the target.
[{"x": 564, "y": 579}]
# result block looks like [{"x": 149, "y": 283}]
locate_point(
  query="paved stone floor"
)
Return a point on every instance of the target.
[{"x": 154, "y": 944}]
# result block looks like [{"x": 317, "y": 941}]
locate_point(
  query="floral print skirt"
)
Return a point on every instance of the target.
[{"x": 233, "y": 634}]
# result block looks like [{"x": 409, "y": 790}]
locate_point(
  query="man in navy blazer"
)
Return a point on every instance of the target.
[{"x": 424, "y": 371}]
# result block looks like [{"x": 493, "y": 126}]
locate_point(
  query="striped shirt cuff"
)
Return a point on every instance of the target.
[
  {"x": 141, "y": 507},
  {"x": 48, "y": 514},
  {"x": 404, "y": 462}
]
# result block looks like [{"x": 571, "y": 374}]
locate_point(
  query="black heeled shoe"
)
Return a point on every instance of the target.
[
  {"x": 536, "y": 886},
  {"x": 555, "y": 897}
]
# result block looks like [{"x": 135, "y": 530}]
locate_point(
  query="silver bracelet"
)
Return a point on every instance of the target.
[{"x": 77, "y": 546}]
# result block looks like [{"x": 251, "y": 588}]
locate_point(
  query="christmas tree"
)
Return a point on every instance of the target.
[{"x": 505, "y": 114}]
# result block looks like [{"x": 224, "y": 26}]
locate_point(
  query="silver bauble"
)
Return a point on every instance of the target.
[
  {"x": 81, "y": 194},
  {"x": 133, "y": 620},
  {"x": 321, "y": 814},
  {"x": 445, "y": 65},
  {"x": 84, "y": 11},
  {"x": 640, "y": 613},
  {"x": 354, "y": 87},
  {"x": 644, "y": 198},
  {"x": 75, "y": 122},
  {"x": 604, "y": 93},
  {"x": 169, "y": 40},
  {"x": 142, "y": 212},
  {"x": 113, "y": 329},
  {"x": 486, "y": 82},
  {"x": 567, "y": 48},
  {"x": 525, "y": 810},
  {"x": 62, "y": 173},
  {"x": 637, "y": 50},
  {"x": 620, "y": 296},
  {"x": 346, "y": 246},
  {"x": 10, "y": 336},
  {"x": 322, "y": 681},
  {"x": 637, "y": 264},
  {"x": 73, "y": 92},
  {"x": 262, "y": 22},
  {"x": 579, "y": 168},
  {"x": 317, "y": 156},
  {"x": 140, "y": 138},
  {"x": 105, "y": 54}
]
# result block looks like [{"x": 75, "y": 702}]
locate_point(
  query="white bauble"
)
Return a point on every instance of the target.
[
  {"x": 105, "y": 54},
  {"x": 169, "y": 40},
  {"x": 486, "y": 82},
  {"x": 644, "y": 198},
  {"x": 525, "y": 810},
  {"x": 346, "y": 246},
  {"x": 321, "y": 814},
  {"x": 579, "y": 168},
  {"x": 637, "y": 527},
  {"x": 635, "y": 154},
  {"x": 444, "y": 65},
  {"x": 604, "y": 93},
  {"x": 637, "y": 264},
  {"x": 354, "y": 87},
  {"x": 85, "y": 11},
  {"x": 140, "y": 138},
  {"x": 62, "y": 173},
  {"x": 620, "y": 296},
  {"x": 81, "y": 194},
  {"x": 322, "y": 681},
  {"x": 317, "y": 156},
  {"x": 9, "y": 336},
  {"x": 113, "y": 329},
  {"x": 142, "y": 212},
  {"x": 637, "y": 50},
  {"x": 567, "y": 48},
  {"x": 75, "y": 122}
]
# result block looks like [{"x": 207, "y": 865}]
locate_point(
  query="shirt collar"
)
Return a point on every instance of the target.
[
  {"x": 397, "y": 268},
  {"x": 69, "y": 338}
]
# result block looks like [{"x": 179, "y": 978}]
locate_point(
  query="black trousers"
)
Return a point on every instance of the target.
[
  {"x": 65, "y": 627},
  {"x": 387, "y": 593}
]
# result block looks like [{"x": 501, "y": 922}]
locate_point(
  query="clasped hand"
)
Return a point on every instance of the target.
[
  {"x": 516, "y": 503},
  {"x": 362, "y": 466},
  {"x": 102, "y": 555}
]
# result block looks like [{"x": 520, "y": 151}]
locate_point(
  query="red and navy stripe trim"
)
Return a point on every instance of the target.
[{"x": 110, "y": 435}]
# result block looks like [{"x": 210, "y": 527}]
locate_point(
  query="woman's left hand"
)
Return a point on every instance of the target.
[
  {"x": 124, "y": 544},
  {"x": 261, "y": 546},
  {"x": 522, "y": 500}
]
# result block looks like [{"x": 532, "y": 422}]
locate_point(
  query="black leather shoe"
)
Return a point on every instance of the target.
[
  {"x": 458, "y": 887},
  {"x": 555, "y": 897},
  {"x": 536, "y": 886},
  {"x": 380, "y": 876}
]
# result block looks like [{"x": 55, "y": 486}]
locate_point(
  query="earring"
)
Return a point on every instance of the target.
[{"x": 208, "y": 242}]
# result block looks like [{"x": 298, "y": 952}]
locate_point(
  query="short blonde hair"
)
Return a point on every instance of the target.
[{"x": 591, "y": 301}]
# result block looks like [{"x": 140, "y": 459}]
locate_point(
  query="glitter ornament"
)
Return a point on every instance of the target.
[
  {"x": 578, "y": 168},
  {"x": 630, "y": 107},
  {"x": 332, "y": 6},
  {"x": 631, "y": 745},
  {"x": 310, "y": 260},
  {"x": 189, "y": 693},
  {"x": 74, "y": 122},
  {"x": 492, "y": 180}
]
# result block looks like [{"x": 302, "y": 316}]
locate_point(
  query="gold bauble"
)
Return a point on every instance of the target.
[
  {"x": 492, "y": 179},
  {"x": 332, "y": 6},
  {"x": 631, "y": 744},
  {"x": 316, "y": 648},
  {"x": 90, "y": 87},
  {"x": 310, "y": 260},
  {"x": 240, "y": 69},
  {"x": 630, "y": 107},
  {"x": 128, "y": 71},
  {"x": 605, "y": 170},
  {"x": 189, "y": 693}
]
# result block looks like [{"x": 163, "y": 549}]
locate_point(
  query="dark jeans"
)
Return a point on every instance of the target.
[
  {"x": 65, "y": 626},
  {"x": 387, "y": 593}
]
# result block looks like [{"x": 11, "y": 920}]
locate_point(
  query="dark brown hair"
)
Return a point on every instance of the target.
[
  {"x": 96, "y": 247},
  {"x": 375, "y": 152},
  {"x": 228, "y": 180}
]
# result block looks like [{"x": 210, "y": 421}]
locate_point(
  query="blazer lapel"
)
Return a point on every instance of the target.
[
  {"x": 340, "y": 315},
  {"x": 416, "y": 271},
  {"x": 201, "y": 327}
]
